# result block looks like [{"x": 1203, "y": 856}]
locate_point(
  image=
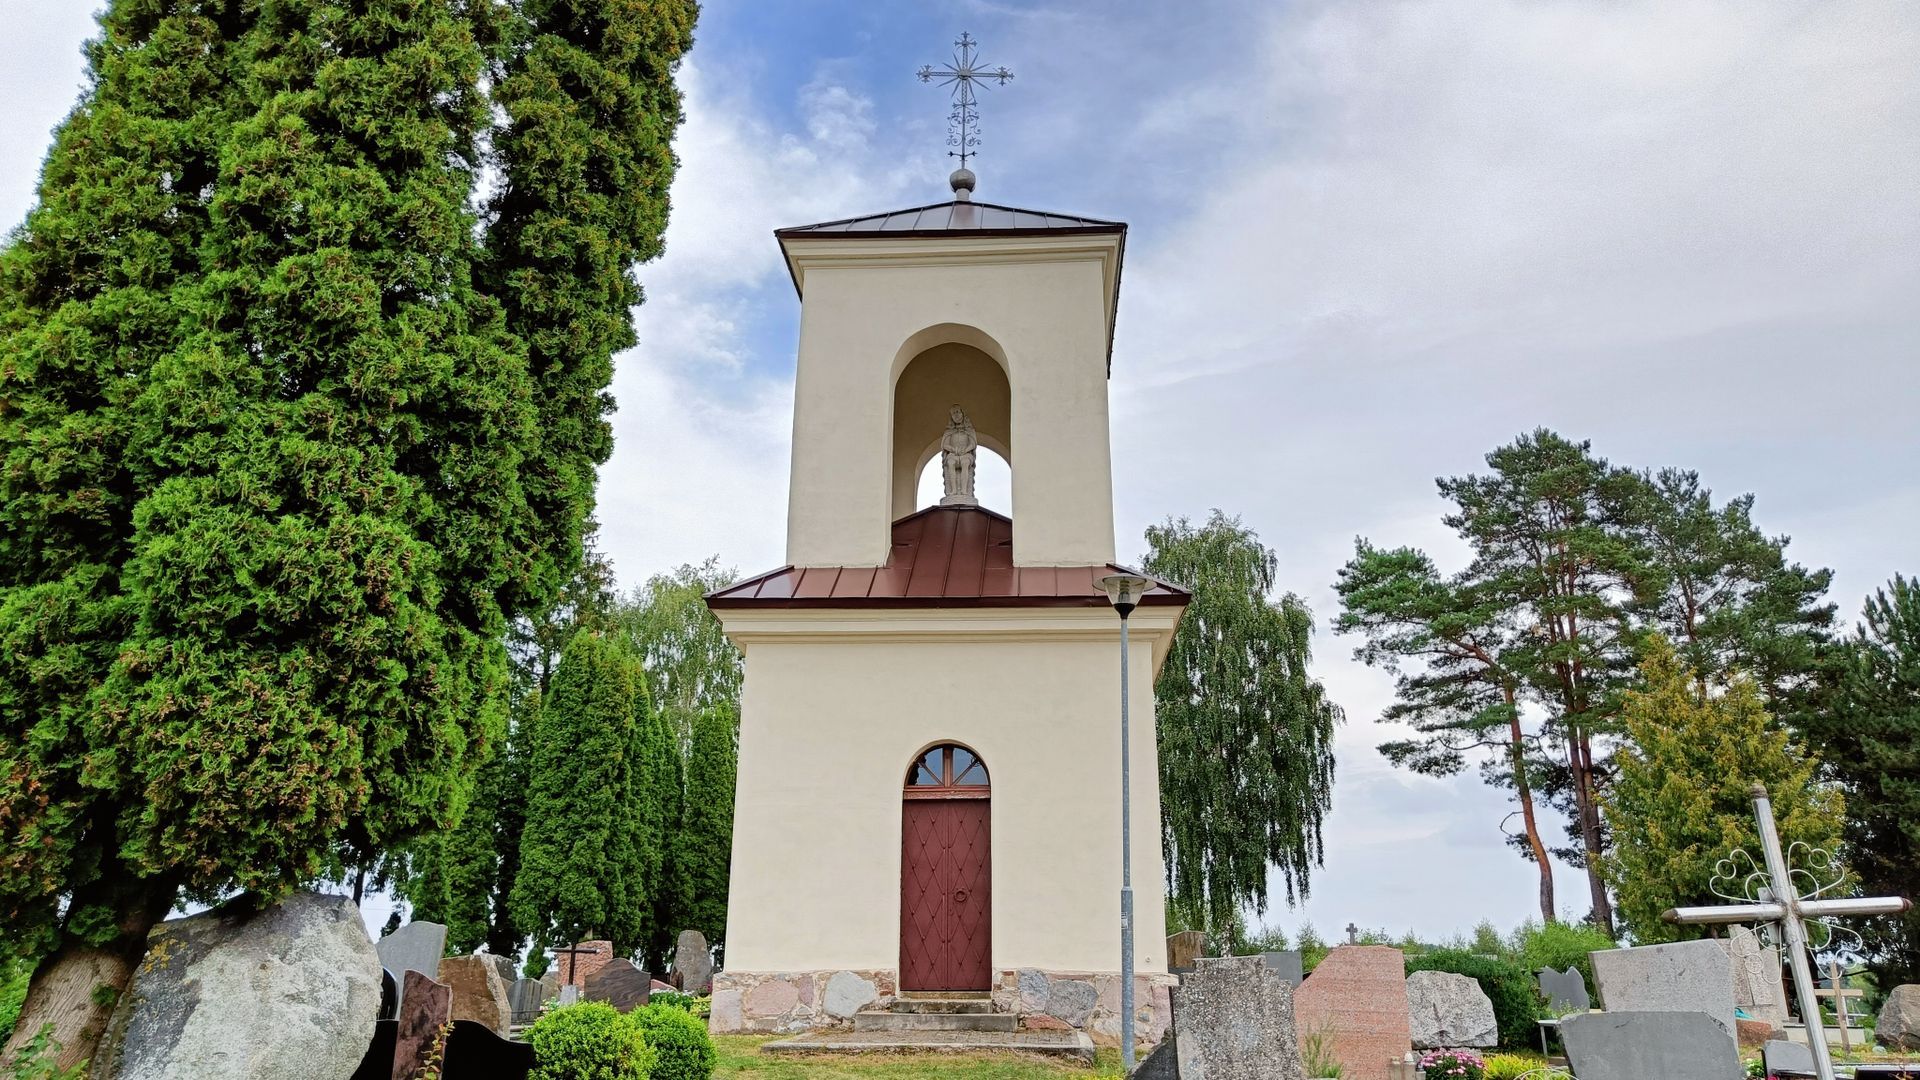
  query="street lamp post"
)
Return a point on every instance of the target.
[{"x": 1124, "y": 591}]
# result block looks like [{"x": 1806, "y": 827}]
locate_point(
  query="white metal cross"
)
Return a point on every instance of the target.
[
  {"x": 962, "y": 131},
  {"x": 1779, "y": 901}
]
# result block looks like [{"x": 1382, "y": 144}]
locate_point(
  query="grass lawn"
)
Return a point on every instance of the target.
[{"x": 740, "y": 1056}]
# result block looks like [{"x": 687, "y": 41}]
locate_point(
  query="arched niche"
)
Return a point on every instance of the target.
[{"x": 933, "y": 379}]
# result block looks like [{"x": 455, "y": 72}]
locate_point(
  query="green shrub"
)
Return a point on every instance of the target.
[
  {"x": 1516, "y": 1002},
  {"x": 1512, "y": 1066},
  {"x": 674, "y": 998},
  {"x": 682, "y": 1048},
  {"x": 589, "y": 1041},
  {"x": 1559, "y": 946},
  {"x": 13, "y": 994}
]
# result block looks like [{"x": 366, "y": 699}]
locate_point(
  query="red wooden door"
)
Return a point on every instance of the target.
[{"x": 946, "y": 909}]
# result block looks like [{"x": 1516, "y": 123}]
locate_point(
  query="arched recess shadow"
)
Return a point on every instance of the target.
[{"x": 947, "y": 366}]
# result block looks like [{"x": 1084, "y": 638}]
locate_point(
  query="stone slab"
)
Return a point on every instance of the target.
[
  {"x": 377, "y": 1062},
  {"x": 417, "y": 946},
  {"x": 1447, "y": 1011},
  {"x": 478, "y": 993},
  {"x": 1683, "y": 976},
  {"x": 1288, "y": 963},
  {"x": 1565, "y": 991},
  {"x": 476, "y": 1052},
  {"x": 1184, "y": 948},
  {"x": 1645, "y": 1045},
  {"x": 509, "y": 971},
  {"x": 424, "y": 1007},
  {"x": 693, "y": 963},
  {"x": 1357, "y": 998},
  {"x": 1162, "y": 1064},
  {"x": 1233, "y": 1019},
  {"x": 1757, "y": 987},
  {"x": 1781, "y": 1055},
  {"x": 619, "y": 984},
  {"x": 524, "y": 999},
  {"x": 577, "y": 969}
]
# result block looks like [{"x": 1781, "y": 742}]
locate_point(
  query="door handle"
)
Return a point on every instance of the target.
[{"x": 960, "y": 896}]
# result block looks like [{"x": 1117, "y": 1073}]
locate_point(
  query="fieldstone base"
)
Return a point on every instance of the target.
[{"x": 785, "y": 1002}]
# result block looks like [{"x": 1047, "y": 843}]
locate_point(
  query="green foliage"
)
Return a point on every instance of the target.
[
  {"x": 1680, "y": 800},
  {"x": 676, "y": 999},
  {"x": 682, "y": 1048},
  {"x": 1318, "y": 1055},
  {"x": 1509, "y": 986},
  {"x": 702, "y": 848},
  {"x": 14, "y": 977},
  {"x": 1246, "y": 734},
  {"x": 589, "y": 1041},
  {"x": 1312, "y": 948},
  {"x": 1559, "y": 945},
  {"x": 36, "y": 1059},
  {"x": 691, "y": 666},
  {"x": 580, "y": 869},
  {"x": 1452, "y": 1065},
  {"x": 1512, "y": 1066},
  {"x": 1867, "y": 736},
  {"x": 289, "y": 434}
]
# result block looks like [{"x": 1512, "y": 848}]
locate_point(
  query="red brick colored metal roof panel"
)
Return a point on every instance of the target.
[
  {"x": 958, "y": 216},
  {"x": 944, "y": 556}
]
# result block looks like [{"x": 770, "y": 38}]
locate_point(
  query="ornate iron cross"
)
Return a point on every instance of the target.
[
  {"x": 1771, "y": 895},
  {"x": 963, "y": 133}
]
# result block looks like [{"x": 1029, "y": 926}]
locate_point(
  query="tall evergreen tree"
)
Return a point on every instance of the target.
[
  {"x": 1868, "y": 733},
  {"x": 287, "y": 437},
  {"x": 1680, "y": 798},
  {"x": 1246, "y": 733},
  {"x": 701, "y": 850}
]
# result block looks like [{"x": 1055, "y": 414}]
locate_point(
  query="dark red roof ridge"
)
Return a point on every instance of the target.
[{"x": 1050, "y": 222}]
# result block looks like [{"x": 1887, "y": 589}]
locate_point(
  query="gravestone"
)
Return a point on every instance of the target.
[
  {"x": 1357, "y": 998},
  {"x": 377, "y": 1062},
  {"x": 619, "y": 984},
  {"x": 1287, "y": 963},
  {"x": 1160, "y": 1065},
  {"x": 417, "y": 946},
  {"x": 1683, "y": 976},
  {"x": 389, "y": 995},
  {"x": 1565, "y": 991},
  {"x": 1783, "y": 1056},
  {"x": 424, "y": 1006},
  {"x": 1756, "y": 976},
  {"x": 244, "y": 991},
  {"x": 1899, "y": 1024},
  {"x": 569, "y": 994},
  {"x": 475, "y": 1052},
  {"x": 578, "y": 967},
  {"x": 693, "y": 963},
  {"x": 478, "y": 993},
  {"x": 1646, "y": 1045},
  {"x": 1184, "y": 948},
  {"x": 524, "y": 999},
  {"x": 502, "y": 964},
  {"x": 1445, "y": 1010},
  {"x": 1233, "y": 1019}
]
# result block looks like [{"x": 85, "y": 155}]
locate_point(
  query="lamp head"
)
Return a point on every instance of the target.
[{"x": 1124, "y": 591}]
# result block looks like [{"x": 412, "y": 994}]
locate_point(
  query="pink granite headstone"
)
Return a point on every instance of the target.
[
  {"x": 1357, "y": 999},
  {"x": 424, "y": 1006}
]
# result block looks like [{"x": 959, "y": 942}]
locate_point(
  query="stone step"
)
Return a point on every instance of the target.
[
  {"x": 946, "y": 995},
  {"x": 934, "y": 1021},
  {"x": 942, "y": 1005},
  {"x": 1071, "y": 1044}
]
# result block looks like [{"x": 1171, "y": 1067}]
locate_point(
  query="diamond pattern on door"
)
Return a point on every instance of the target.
[{"x": 946, "y": 902}]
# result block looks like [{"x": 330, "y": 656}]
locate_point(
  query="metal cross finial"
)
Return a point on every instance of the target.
[{"x": 963, "y": 133}]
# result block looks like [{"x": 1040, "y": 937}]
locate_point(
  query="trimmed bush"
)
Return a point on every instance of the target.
[
  {"x": 682, "y": 1048},
  {"x": 1507, "y": 984},
  {"x": 589, "y": 1041}
]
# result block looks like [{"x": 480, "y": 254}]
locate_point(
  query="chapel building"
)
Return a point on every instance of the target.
[{"x": 929, "y": 779}]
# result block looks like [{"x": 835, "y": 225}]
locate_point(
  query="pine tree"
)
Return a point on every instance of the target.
[
  {"x": 1868, "y": 733},
  {"x": 701, "y": 851},
  {"x": 1679, "y": 802},
  {"x": 1246, "y": 734}
]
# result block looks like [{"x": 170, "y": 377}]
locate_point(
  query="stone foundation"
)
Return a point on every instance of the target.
[{"x": 783, "y": 1002}]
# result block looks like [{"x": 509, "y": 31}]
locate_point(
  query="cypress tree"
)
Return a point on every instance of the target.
[
  {"x": 702, "y": 851},
  {"x": 286, "y": 438}
]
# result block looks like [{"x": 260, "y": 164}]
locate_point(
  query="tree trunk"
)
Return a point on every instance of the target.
[
  {"x": 74, "y": 990},
  {"x": 1580, "y": 762},
  {"x": 1524, "y": 792}
]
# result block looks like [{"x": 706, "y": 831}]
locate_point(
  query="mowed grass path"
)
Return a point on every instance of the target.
[{"x": 740, "y": 1056}]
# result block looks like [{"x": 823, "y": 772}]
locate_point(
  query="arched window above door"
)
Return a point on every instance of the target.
[{"x": 948, "y": 771}]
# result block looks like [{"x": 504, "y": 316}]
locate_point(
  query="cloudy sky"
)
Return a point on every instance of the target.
[{"x": 1369, "y": 242}]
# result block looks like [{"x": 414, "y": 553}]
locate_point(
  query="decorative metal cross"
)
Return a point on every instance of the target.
[
  {"x": 1771, "y": 895},
  {"x": 962, "y": 130}
]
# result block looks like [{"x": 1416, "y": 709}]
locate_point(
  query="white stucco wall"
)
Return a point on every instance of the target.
[
  {"x": 837, "y": 704},
  {"x": 1040, "y": 305}
]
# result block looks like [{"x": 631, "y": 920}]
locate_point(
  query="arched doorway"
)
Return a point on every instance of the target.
[{"x": 946, "y": 873}]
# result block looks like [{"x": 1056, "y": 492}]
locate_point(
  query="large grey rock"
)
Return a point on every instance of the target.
[
  {"x": 1899, "y": 1023},
  {"x": 847, "y": 993},
  {"x": 1649, "y": 1045},
  {"x": 417, "y": 946},
  {"x": 1565, "y": 991},
  {"x": 1684, "y": 976},
  {"x": 1033, "y": 990},
  {"x": 290, "y": 990},
  {"x": 1287, "y": 963},
  {"x": 693, "y": 963},
  {"x": 1756, "y": 976},
  {"x": 1449, "y": 1010},
  {"x": 1071, "y": 1000},
  {"x": 1233, "y": 1020}
]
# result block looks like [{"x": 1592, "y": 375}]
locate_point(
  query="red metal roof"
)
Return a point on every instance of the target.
[
  {"x": 958, "y": 216},
  {"x": 943, "y": 556}
]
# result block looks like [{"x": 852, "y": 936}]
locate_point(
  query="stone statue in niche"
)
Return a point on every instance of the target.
[{"x": 956, "y": 459}]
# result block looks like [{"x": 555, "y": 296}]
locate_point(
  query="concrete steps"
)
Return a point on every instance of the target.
[
  {"x": 1060, "y": 1044},
  {"x": 972, "y": 1020}
]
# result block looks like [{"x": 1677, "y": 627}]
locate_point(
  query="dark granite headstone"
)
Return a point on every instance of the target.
[
  {"x": 424, "y": 1007},
  {"x": 1162, "y": 1064},
  {"x": 1565, "y": 991},
  {"x": 619, "y": 984},
  {"x": 693, "y": 963},
  {"x": 474, "y": 1052},
  {"x": 378, "y": 1062},
  {"x": 524, "y": 999},
  {"x": 1288, "y": 964},
  {"x": 1642, "y": 1045},
  {"x": 389, "y": 995},
  {"x": 1784, "y": 1058}
]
